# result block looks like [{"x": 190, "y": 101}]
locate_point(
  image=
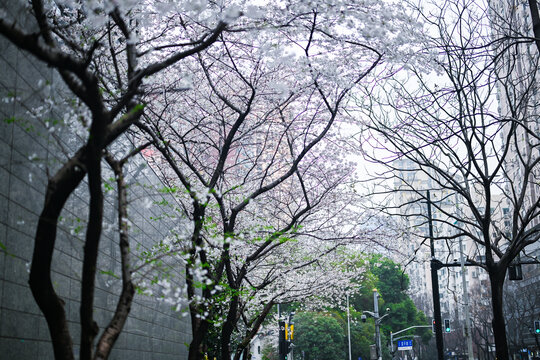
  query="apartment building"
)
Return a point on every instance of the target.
[
  {"x": 519, "y": 100},
  {"x": 463, "y": 290}
]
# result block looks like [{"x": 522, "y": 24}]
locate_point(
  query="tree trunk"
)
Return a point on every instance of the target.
[
  {"x": 123, "y": 307},
  {"x": 89, "y": 328},
  {"x": 228, "y": 328},
  {"x": 496, "y": 278},
  {"x": 533, "y": 7},
  {"x": 59, "y": 188},
  {"x": 199, "y": 326},
  {"x": 244, "y": 345},
  {"x": 199, "y": 332},
  {"x": 113, "y": 330}
]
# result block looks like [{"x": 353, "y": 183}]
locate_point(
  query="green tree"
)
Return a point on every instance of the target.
[
  {"x": 320, "y": 335},
  {"x": 324, "y": 335},
  {"x": 391, "y": 283},
  {"x": 362, "y": 336}
]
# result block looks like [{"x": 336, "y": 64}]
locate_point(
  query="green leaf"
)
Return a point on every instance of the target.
[{"x": 110, "y": 273}]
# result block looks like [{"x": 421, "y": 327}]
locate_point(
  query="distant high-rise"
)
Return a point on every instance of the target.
[{"x": 416, "y": 248}]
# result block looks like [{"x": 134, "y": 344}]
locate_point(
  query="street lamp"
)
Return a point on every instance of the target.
[
  {"x": 349, "y": 326},
  {"x": 378, "y": 320}
]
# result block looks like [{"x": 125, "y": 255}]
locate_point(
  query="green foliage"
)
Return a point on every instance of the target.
[
  {"x": 361, "y": 337},
  {"x": 23, "y": 123},
  {"x": 269, "y": 352},
  {"x": 139, "y": 107},
  {"x": 169, "y": 190},
  {"x": 110, "y": 273},
  {"x": 391, "y": 283},
  {"x": 321, "y": 336},
  {"x": 108, "y": 184},
  {"x": 4, "y": 249}
]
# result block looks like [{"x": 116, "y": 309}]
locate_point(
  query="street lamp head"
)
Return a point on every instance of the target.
[
  {"x": 387, "y": 310},
  {"x": 363, "y": 318}
]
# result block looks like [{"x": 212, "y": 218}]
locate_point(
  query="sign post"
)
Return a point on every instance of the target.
[
  {"x": 393, "y": 334},
  {"x": 404, "y": 345}
]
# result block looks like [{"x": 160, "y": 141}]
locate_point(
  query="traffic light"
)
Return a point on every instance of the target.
[
  {"x": 537, "y": 327},
  {"x": 447, "y": 325},
  {"x": 433, "y": 322}
]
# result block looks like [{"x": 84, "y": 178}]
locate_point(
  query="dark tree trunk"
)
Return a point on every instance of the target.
[
  {"x": 199, "y": 326},
  {"x": 123, "y": 307},
  {"x": 89, "y": 328},
  {"x": 200, "y": 330},
  {"x": 496, "y": 278},
  {"x": 244, "y": 345},
  {"x": 228, "y": 328},
  {"x": 535, "y": 17},
  {"x": 59, "y": 187}
]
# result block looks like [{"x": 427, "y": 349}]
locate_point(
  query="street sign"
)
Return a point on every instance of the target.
[{"x": 404, "y": 345}]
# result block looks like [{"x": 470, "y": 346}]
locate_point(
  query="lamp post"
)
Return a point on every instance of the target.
[
  {"x": 349, "y": 326},
  {"x": 378, "y": 320}
]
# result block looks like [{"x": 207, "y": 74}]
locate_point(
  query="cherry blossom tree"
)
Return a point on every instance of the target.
[
  {"x": 237, "y": 98},
  {"x": 255, "y": 155}
]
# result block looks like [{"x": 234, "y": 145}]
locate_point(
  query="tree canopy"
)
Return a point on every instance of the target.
[
  {"x": 387, "y": 277},
  {"x": 319, "y": 336}
]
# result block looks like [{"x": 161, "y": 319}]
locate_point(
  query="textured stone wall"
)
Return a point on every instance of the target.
[{"x": 31, "y": 149}]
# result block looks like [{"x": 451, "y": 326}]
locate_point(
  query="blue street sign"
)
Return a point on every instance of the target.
[{"x": 404, "y": 345}]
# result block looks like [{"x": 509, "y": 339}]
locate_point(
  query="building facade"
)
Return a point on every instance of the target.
[
  {"x": 519, "y": 100},
  {"x": 31, "y": 149}
]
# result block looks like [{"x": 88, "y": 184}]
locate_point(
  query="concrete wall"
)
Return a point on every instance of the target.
[{"x": 29, "y": 151}]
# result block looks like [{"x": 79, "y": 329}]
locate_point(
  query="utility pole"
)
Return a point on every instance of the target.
[
  {"x": 377, "y": 322},
  {"x": 349, "y": 326},
  {"x": 467, "y": 330},
  {"x": 435, "y": 265},
  {"x": 466, "y": 304},
  {"x": 282, "y": 343}
]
